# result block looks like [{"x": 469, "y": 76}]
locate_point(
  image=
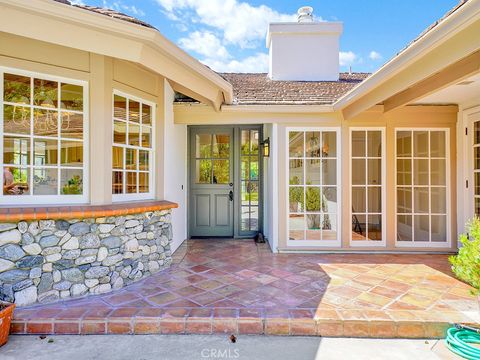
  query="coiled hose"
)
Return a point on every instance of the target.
[{"x": 459, "y": 339}]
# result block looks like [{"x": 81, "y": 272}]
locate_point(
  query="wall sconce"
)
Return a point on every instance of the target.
[{"x": 266, "y": 147}]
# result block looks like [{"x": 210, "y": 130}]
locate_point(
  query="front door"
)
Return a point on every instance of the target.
[{"x": 211, "y": 182}]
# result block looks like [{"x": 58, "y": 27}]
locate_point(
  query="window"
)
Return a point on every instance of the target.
[
  {"x": 313, "y": 189},
  {"x": 132, "y": 154},
  {"x": 44, "y": 150},
  {"x": 367, "y": 184},
  {"x": 212, "y": 158},
  {"x": 422, "y": 187}
]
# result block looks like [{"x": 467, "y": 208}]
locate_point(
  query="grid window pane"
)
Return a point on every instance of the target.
[
  {"x": 132, "y": 154},
  {"x": 41, "y": 119},
  {"x": 312, "y": 176},
  {"x": 428, "y": 217},
  {"x": 366, "y": 178}
]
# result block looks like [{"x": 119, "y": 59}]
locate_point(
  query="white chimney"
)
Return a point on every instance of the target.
[{"x": 304, "y": 50}]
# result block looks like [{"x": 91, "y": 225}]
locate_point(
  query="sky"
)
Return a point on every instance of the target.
[{"x": 229, "y": 35}]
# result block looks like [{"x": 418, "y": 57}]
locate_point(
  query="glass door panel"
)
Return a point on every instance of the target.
[{"x": 249, "y": 180}]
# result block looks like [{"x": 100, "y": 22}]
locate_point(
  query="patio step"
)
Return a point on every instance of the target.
[{"x": 328, "y": 323}]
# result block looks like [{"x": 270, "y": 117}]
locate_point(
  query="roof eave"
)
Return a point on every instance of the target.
[{"x": 456, "y": 22}]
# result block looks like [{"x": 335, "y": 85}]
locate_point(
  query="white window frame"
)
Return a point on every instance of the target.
[
  {"x": 59, "y": 199},
  {"x": 370, "y": 243},
  {"x": 315, "y": 243},
  {"x": 425, "y": 244},
  {"x": 150, "y": 195}
]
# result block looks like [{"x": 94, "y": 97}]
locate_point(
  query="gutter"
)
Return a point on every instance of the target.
[{"x": 447, "y": 28}]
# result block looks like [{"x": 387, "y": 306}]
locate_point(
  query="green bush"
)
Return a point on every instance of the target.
[{"x": 466, "y": 265}]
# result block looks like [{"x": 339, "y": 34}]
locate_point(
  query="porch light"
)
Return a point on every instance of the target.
[{"x": 266, "y": 147}]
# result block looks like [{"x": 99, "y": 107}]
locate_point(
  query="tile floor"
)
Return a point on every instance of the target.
[{"x": 237, "y": 286}]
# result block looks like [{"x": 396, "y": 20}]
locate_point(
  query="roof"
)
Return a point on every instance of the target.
[
  {"x": 259, "y": 89},
  {"x": 108, "y": 12}
]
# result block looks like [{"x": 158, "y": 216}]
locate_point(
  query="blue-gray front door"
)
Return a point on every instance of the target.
[{"x": 211, "y": 182}]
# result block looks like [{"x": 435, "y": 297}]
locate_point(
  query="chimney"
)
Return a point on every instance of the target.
[{"x": 305, "y": 50}]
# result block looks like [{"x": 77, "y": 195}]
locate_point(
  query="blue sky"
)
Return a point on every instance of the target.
[{"x": 229, "y": 35}]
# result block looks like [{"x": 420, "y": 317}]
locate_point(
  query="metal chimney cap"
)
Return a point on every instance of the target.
[{"x": 305, "y": 14}]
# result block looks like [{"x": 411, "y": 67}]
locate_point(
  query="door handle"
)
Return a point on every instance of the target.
[{"x": 230, "y": 195}]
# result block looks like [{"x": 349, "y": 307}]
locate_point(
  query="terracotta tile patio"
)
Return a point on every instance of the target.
[{"x": 236, "y": 286}]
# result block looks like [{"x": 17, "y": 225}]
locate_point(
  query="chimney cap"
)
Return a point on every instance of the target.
[{"x": 305, "y": 14}]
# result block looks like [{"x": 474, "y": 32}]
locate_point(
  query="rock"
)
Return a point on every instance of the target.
[
  {"x": 33, "y": 228},
  {"x": 89, "y": 241},
  {"x": 78, "y": 289},
  {"x": 105, "y": 228},
  {"x": 131, "y": 245},
  {"x": 103, "y": 288},
  {"x": 35, "y": 273},
  {"x": 153, "y": 266},
  {"x": 32, "y": 249},
  {"x": 73, "y": 275},
  {"x": 96, "y": 272},
  {"x": 89, "y": 252},
  {"x": 62, "y": 285},
  {"x": 102, "y": 254},
  {"x": 6, "y": 293},
  {"x": 27, "y": 239},
  {"x": 6, "y": 265},
  {"x": 46, "y": 283},
  {"x": 64, "y": 264},
  {"x": 71, "y": 254},
  {"x": 126, "y": 271},
  {"x": 11, "y": 252},
  {"x": 30, "y": 261},
  {"x": 79, "y": 229},
  {"x": 112, "y": 242},
  {"x": 22, "y": 285},
  {"x": 111, "y": 260},
  {"x": 71, "y": 244},
  {"x": 118, "y": 284},
  {"x": 46, "y": 224},
  {"x": 131, "y": 223},
  {"x": 53, "y": 258},
  {"x": 57, "y": 276},
  {"x": 26, "y": 296},
  {"x": 62, "y": 225},
  {"x": 49, "y": 240},
  {"x": 7, "y": 226},
  {"x": 91, "y": 282},
  {"x": 49, "y": 296},
  {"x": 51, "y": 250},
  {"x": 104, "y": 280},
  {"x": 64, "y": 239},
  {"x": 22, "y": 227},
  {"x": 85, "y": 260},
  {"x": 10, "y": 237},
  {"x": 47, "y": 267}
]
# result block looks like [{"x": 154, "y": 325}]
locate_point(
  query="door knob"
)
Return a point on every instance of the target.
[
  {"x": 230, "y": 195},
  {"x": 231, "y": 184}
]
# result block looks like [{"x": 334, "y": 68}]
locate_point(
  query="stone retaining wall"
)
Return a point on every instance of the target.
[{"x": 46, "y": 260}]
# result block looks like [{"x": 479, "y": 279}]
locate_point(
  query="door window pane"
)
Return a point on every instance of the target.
[
  {"x": 429, "y": 191},
  {"x": 366, "y": 179},
  {"x": 221, "y": 171},
  {"x": 203, "y": 172},
  {"x": 221, "y": 146},
  {"x": 313, "y": 207}
]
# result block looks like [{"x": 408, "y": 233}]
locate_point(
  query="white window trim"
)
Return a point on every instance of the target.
[
  {"x": 151, "y": 173},
  {"x": 426, "y": 244},
  {"x": 315, "y": 243},
  {"x": 49, "y": 199},
  {"x": 370, "y": 243}
]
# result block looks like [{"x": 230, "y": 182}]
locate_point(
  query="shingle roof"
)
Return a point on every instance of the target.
[
  {"x": 258, "y": 89},
  {"x": 109, "y": 12}
]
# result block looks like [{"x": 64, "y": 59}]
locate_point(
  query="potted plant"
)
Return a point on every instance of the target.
[
  {"x": 466, "y": 265},
  {"x": 6, "y": 315}
]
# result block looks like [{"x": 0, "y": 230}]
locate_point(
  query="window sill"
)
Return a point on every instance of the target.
[{"x": 15, "y": 214}]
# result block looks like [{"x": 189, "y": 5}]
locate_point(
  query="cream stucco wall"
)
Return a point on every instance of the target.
[{"x": 275, "y": 193}]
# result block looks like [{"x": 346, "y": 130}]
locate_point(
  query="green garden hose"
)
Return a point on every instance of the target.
[{"x": 459, "y": 339}]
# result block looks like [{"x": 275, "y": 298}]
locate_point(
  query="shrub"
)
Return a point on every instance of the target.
[{"x": 466, "y": 265}]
